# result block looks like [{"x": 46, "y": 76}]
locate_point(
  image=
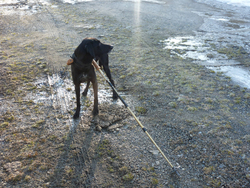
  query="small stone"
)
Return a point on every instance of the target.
[
  {"x": 221, "y": 166},
  {"x": 110, "y": 118},
  {"x": 154, "y": 152},
  {"x": 116, "y": 126},
  {"x": 98, "y": 128},
  {"x": 12, "y": 167},
  {"x": 104, "y": 124},
  {"x": 210, "y": 56}
]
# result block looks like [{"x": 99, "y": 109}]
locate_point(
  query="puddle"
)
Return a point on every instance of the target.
[
  {"x": 136, "y": 1},
  {"x": 236, "y": 2},
  {"x": 222, "y": 3},
  {"x": 219, "y": 42},
  {"x": 238, "y": 74},
  {"x": 202, "y": 52},
  {"x": 75, "y": 1},
  {"x": 62, "y": 94},
  {"x": 29, "y": 7},
  {"x": 88, "y": 26},
  {"x": 200, "y": 49},
  {"x": 187, "y": 47},
  {"x": 148, "y": 1}
]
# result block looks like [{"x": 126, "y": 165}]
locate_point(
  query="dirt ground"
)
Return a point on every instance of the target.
[{"x": 199, "y": 118}]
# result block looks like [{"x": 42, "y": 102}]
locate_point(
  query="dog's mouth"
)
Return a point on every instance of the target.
[{"x": 111, "y": 47}]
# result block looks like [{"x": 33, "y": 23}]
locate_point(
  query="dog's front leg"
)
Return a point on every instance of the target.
[
  {"x": 95, "y": 87},
  {"x": 77, "y": 90}
]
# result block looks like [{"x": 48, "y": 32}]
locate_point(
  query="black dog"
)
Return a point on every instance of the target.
[{"x": 83, "y": 71}]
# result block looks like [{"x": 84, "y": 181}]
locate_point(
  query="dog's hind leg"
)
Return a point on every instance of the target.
[
  {"x": 85, "y": 92},
  {"x": 104, "y": 61},
  {"x": 95, "y": 87},
  {"x": 77, "y": 90},
  {"x": 107, "y": 71}
]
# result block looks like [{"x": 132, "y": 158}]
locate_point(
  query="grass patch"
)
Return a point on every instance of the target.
[
  {"x": 140, "y": 110},
  {"x": 38, "y": 124},
  {"x": 4, "y": 125},
  {"x": 192, "y": 109},
  {"x": 128, "y": 177},
  {"x": 232, "y": 52},
  {"x": 154, "y": 181},
  {"x": 208, "y": 170},
  {"x": 172, "y": 104}
]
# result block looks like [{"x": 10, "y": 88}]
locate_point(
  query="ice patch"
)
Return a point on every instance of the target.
[
  {"x": 222, "y": 3},
  {"x": 237, "y": 2},
  {"x": 238, "y": 74},
  {"x": 9, "y": 7},
  {"x": 187, "y": 47},
  {"x": 220, "y": 19},
  {"x": 3, "y": 2},
  {"x": 148, "y": 1},
  {"x": 135, "y": 1},
  {"x": 200, "y": 50},
  {"x": 62, "y": 94},
  {"x": 75, "y": 1}
]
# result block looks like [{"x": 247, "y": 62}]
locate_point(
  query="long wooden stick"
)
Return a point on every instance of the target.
[{"x": 137, "y": 120}]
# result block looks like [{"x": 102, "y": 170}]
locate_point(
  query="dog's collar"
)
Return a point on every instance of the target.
[
  {"x": 79, "y": 63},
  {"x": 75, "y": 59}
]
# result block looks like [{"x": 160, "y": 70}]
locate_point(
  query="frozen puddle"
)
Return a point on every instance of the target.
[
  {"x": 135, "y": 1},
  {"x": 198, "y": 49},
  {"x": 220, "y": 41},
  {"x": 147, "y": 1},
  {"x": 238, "y": 75},
  {"x": 237, "y": 2},
  {"x": 61, "y": 94},
  {"x": 20, "y": 7},
  {"x": 29, "y": 7},
  {"x": 186, "y": 47},
  {"x": 201, "y": 52},
  {"x": 75, "y": 1}
]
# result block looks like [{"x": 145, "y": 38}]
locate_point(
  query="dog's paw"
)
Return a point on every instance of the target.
[
  {"x": 115, "y": 96},
  {"x": 76, "y": 115},
  {"x": 95, "y": 112},
  {"x": 85, "y": 93}
]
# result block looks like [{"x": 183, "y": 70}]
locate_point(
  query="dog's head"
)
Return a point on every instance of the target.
[
  {"x": 91, "y": 48},
  {"x": 95, "y": 48}
]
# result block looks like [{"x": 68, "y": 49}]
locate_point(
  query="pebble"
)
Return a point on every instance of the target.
[
  {"x": 221, "y": 166},
  {"x": 116, "y": 126},
  {"x": 154, "y": 152}
]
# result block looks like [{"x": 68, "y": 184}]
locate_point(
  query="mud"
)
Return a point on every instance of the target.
[{"x": 197, "y": 116}]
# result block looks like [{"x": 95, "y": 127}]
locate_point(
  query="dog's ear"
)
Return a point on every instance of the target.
[{"x": 90, "y": 49}]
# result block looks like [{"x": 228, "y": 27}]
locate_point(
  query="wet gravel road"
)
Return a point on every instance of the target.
[{"x": 163, "y": 54}]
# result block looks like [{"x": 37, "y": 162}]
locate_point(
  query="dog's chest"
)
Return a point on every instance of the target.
[{"x": 83, "y": 77}]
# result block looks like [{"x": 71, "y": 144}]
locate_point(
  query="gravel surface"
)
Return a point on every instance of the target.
[{"x": 199, "y": 117}]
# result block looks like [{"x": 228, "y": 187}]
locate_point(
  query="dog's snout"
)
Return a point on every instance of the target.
[{"x": 111, "y": 47}]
